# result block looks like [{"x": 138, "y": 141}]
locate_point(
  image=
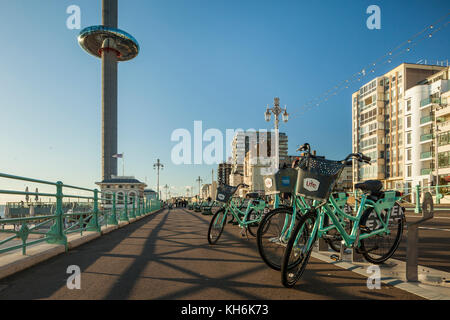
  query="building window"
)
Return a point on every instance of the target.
[
  {"x": 408, "y": 138},
  {"x": 408, "y": 122},
  {"x": 408, "y": 155},
  {"x": 444, "y": 159},
  {"x": 408, "y": 171},
  {"x": 444, "y": 138}
]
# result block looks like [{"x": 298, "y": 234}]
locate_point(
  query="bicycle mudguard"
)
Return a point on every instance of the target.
[{"x": 388, "y": 201}]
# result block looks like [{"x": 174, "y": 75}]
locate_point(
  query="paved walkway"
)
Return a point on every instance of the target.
[{"x": 166, "y": 256}]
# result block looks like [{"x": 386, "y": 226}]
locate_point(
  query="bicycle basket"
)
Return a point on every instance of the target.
[
  {"x": 224, "y": 193},
  {"x": 317, "y": 176},
  {"x": 282, "y": 181}
]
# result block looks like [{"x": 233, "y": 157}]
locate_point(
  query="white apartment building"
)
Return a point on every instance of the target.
[
  {"x": 427, "y": 131},
  {"x": 378, "y": 123}
]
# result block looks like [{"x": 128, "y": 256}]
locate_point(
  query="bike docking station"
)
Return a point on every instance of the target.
[{"x": 407, "y": 275}]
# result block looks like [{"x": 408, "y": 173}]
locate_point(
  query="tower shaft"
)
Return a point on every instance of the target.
[{"x": 109, "y": 93}]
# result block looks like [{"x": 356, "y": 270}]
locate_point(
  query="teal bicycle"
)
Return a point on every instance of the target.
[
  {"x": 277, "y": 225},
  {"x": 376, "y": 229},
  {"x": 248, "y": 220}
]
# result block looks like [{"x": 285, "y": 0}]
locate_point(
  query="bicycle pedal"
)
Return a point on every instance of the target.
[
  {"x": 335, "y": 257},
  {"x": 364, "y": 229}
]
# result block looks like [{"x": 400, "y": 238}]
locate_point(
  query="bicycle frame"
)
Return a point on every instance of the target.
[
  {"x": 232, "y": 208},
  {"x": 381, "y": 205},
  {"x": 300, "y": 204}
]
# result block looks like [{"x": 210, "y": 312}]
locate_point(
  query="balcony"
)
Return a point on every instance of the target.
[
  {"x": 428, "y": 101},
  {"x": 426, "y": 137},
  {"x": 426, "y": 119},
  {"x": 426, "y": 155},
  {"x": 425, "y": 171}
]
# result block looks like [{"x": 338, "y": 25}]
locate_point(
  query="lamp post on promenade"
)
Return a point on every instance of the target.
[
  {"x": 158, "y": 166},
  {"x": 276, "y": 110}
]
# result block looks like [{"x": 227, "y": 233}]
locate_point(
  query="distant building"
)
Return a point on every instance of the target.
[
  {"x": 150, "y": 194},
  {"x": 122, "y": 186},
  {"x": 345, "y": 181},
  {"x": 223, "y": 173},
  {"x": 242, "y": 143}
]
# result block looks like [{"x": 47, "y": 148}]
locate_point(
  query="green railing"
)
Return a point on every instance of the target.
[
  {"x": 426, "y": 119},
  {"x": 54, "y": 228},
  {"x": 425, "y": 137},
  {"x": 427, "y": 101},
  {"x": 426, "y": 155}
]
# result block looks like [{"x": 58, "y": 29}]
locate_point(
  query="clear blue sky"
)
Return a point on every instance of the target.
[{"x": 217, "y": 61}]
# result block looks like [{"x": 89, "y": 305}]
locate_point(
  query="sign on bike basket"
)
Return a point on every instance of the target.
[
  {"x": 317, "y": 176},
  {"x": 282, "y": 181},
  {"x": 224, "y": 193}
]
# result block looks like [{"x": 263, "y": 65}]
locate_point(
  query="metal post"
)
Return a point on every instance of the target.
[
  {"x": 134, "y": 207},
  {"x": 113, "y": 216},
  {"x": 132, "y": 213},
  {"x": 93, "y": 223},
  {"x": 124, "y": 212},
  {"x": 411, "y": 253},
  {"x": 56, "y": 233}
]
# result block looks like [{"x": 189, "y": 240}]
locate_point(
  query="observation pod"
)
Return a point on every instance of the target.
[{"x": 96, "y": 39}]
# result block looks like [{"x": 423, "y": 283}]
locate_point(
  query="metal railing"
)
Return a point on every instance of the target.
[
  {"x": 54, "y": 228},
  {"x": 428, "y": 101},
  {"x": 426, "y": 119},
  {"x": 427, "y": 136}
]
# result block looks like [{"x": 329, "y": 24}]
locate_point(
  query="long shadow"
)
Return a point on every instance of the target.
[{"x": 44, "y": 279}]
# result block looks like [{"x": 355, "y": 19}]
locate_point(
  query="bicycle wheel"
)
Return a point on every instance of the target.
[
  {"x": 378, "y": 248},
  {"x": 216, "y": 226},
  {"x": 296, "y": 256},
  {"x": 271, "y": 236}
]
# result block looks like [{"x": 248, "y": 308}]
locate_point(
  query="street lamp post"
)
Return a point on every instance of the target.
[
  {"x": 158, "y": 165},
  {"x": 199, "y": 180},
  {"x": 167, "y": 188},
  {"x": 276, "y": 110}
]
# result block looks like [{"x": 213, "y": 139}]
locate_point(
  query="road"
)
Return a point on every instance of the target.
[
  {"x": 166, "y": 256},
  {"x": 434, "y": 241}
]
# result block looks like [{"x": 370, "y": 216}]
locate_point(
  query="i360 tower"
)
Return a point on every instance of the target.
[{"x": 112, "y": 45}]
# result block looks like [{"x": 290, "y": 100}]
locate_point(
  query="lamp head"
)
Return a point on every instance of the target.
[
  {"x": 285, "y": 115},
  {"x": 267, "y": 114}
]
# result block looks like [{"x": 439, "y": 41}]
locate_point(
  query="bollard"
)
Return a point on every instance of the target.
[
  {"x": 411, "y": 253},
  {"x": 412, "y": 240}
]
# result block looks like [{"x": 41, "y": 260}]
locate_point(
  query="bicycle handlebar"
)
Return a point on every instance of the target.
[
  {"x": 304, "y": 147},
  {"x": 358, "y": 156}
]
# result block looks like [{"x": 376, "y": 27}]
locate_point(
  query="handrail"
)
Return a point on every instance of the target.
[{"x": 61, "y": 223}]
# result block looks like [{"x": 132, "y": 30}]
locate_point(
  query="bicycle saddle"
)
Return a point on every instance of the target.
[
  {"x": 372, "y": 186},
  {"x": 252, "y": 195}
]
